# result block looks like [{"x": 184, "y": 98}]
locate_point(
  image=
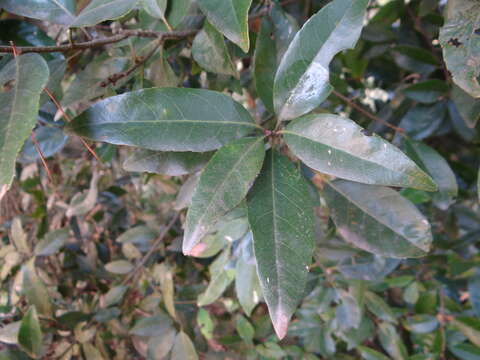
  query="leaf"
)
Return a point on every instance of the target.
[
  {"x": 437, "y": 167},
  {"x": 34, "y": 289},
  {"x": 421, "y": 121},
  {"x": 474, "y": 291},
  {"x": 91, "y": 352},
  {"x": 152, "y": 326},
  {"x": 166, "y": 119},
  {"x": 223, "y": 184},
  {"x": 391, "y": 342},
  {"x": 370, "y": 354},
  {"x": 30, "y": 334},
  {"x": 247, "y": 284},
  {"x": 426, "y": 92},
  {"x": 337, "y": 146},
  {"x": 167, "y": 163},
  {"x": 82, "y": 203},
  {"x": 465, "y": 351},
  {"x": 459, "y": 40},
  {"x": 114, "y": 295},
  {"x": 100, "y": 10},
  {"x": 9, "y": 333},
  {"x": 164, "y": 275},
  {"x": 378, "y": 219},
  {"x": 276, "y": 32},
  {"x": 155, "y": 8},
  {"x": 183, "y": 348},
  {"x": 160, "y": 346},
  {"x": 205, "y": 323},
  {"x": 221, "y": 278},
  {"x": 468, "y": 107},
  {"x": 230, "y": 17},
  {"x": 50, "y": 140},
  {"x": 52, "y": 242},
  {"x": 245, "y": 329},
  {"x": 18, "y": 236},
  {"x": 211, "y": 53},
  {"x": 54, "y": 11},
  {"x": 121, "y": 267},
  {"x": 19, "y": 108},
  {"x": 302, "y": 79},
  {"x": 379, "y": 307},
  {"x": 161, "y": 73},
  {"x": 468, "y": 326},
  {"x": 280, "y": 212}
]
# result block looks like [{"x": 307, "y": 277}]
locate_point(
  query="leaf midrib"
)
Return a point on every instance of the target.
[{"x": 135, "y": 122}]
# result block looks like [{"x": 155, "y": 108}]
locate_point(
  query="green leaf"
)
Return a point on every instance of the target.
[
  {"x": 101, "y": 10},
  {"x": 247, "y": 284},
  {"x": 427, "y": 92},
  {"x": 469, "y": 326},
  {"x": 302, "y": 79},
  {"x": 167, "y": 163},
  {"x": 121, "y": 267},
  {"x": 18, "y": 237},
  {"x": 152, "y": 326},
  {"x": 224, "y": 183},
  {"x": 230, "y": 17},
  {"x": 30, "y": 334},
  {"x": 211, "y": 53},
  {"x": 34, "y": 289},
  {"x": 465, "y": 351},
  {"x": 114, "y": 295},
  {"x": 155, "y": 8},
  {"x": 379, "y": 307},
  {"x": 421, "y": 121},
  {"x": 378, "y": 219},
  {"x": 160, "y": 346},
  {"x": 166, "y": 119},
  {"x": 91, "y": 352},
  {"x": 54, "y": 11},
  {"x": 280, "y": 212},
  {"x": 437, "y": 167},
  {"x": 468, "y": 107},
  {"x": 370, "y": 354},
  {"x": 461, "y": 47},
  {"x": 245, "y": 329},
  {"x": 391, "y": 342},
  {"x": 19, "y": 108},
  {"x": 474, "y": 291},
  {"x": 205, "y": 323},
  {"x": 52, "y": 242},
  {"x": 338, "y": 146},
  {"x": 183, "y": 348},
  {"x": 276, "y": 32}
]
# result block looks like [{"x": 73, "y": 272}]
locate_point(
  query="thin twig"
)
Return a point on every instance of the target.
[
  {"x": 42, "y": 157},
  {"x": 366, "y": 113},
  {"x": 124, "y": 34},
  {"x": 154, "y": 247},
  {"x": 139, "y": 62}
]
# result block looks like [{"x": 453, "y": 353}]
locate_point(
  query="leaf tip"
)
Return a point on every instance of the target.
[
  {"x": 195, "y": 251},
  {"x": 280, "y": 322}
]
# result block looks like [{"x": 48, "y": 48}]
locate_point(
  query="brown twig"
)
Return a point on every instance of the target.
[
  {"x": 154, "y": 247},
  {"x": 367, "y": 113},
  {"x": 124, "y": 34},
  {"x": 65, "y": 115},
  {"x": 138, "y": 63},
  {"x": 42, "y": 157}
]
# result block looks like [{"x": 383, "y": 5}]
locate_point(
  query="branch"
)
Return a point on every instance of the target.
[
  {"x": 124, "y": 34},
  {"x": 366, "y": 113},
  {"x": 154, "y": 247}
]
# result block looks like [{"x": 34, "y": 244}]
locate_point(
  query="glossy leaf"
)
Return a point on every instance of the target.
[
  {"x": 152, "y": 325},
  {"x": 166, "y": 119},
  {"x": 210, "y": 51},
  {"x": 52, "y": 242},
  {"x": 101, "y": 10},
  {"x": 276, "y": 32},
  {"x": 223, "y": 184},
  {"x": 183, "y": 348},
  {"x": 280, "y": 212},
  {"x": 54, "y": 11},
  {"x": 470, "y": 327},
  {"x": 379, "y": 307},
  {"x": 155, "y": 8},
  {"x": 468, "y": 107},
  {"x": 30, "y": 334},
  {"x": 338, "y": 146},
  {"x": 230, "y": 17},
  {"x": 370, "y": 354},
  {"x": 378, "y": 219},
  {"x": 392, "y": 342},
  {"x": 465, "y": 351},
  {"x": 461, "y": 45},
  {"x": 19, "y": 105},
  {"x": 302, "y": 79},
  {"x": 426, "y": 92},
  {"x": 167, "y": 163},
  {"x": 422, "y": 121},
  {"x": 435, "y": 165}
]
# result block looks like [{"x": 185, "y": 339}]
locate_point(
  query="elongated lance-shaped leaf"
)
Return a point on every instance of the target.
[
  {"x": 224, "y": 183},
  {"x": 338, "y": 146},
  {"x": 166, "y": 119},
  {"x": 54, "y": 11},
  {"x": 230, "y": 17},
  {"x": 280, "y": 212},
  {"x": 101, "y": 10},
  {"x": 19, "y": 108},
  {"x": 461, "y": 46},
  {"x": 378, "y": 219},
  {"x": 30, "y": 334},
  {"x": 168, "y": 163},
  {"x": 302, "y": 79},
  {"x": 210, "y": 51}
]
